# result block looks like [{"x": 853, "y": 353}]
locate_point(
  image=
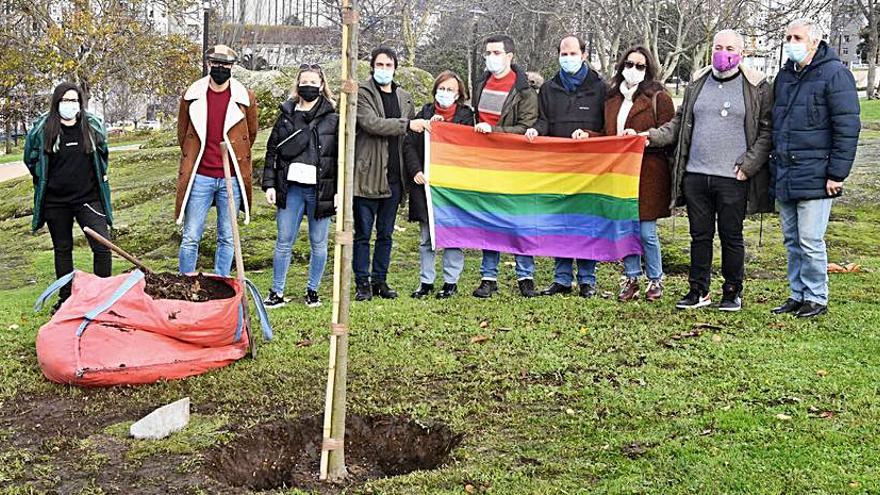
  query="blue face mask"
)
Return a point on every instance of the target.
[
  {"x": 445, "y": 99},
  {"x": 797, "y": 51},
  {"x": 571, "y": 63},
  {"x": 68, "y": 109},
  {"x": 383, "y": 77},
  {"x": 496, "y": 64}
]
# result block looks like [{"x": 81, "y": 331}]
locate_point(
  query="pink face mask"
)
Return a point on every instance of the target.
[{"x": 723, "y": 60}]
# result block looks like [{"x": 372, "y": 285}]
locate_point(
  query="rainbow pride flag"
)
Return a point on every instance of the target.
[{"x": 554, "y": 197}]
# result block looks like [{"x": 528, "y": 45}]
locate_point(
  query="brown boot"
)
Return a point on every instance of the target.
[
  {"x": 629, "y": 290},
  {"x": 655, "y": 290}
]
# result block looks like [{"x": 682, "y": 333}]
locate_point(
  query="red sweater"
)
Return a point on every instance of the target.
[
  {"x": 211, "y": 164},
  {"x": 493, "y": 96}
]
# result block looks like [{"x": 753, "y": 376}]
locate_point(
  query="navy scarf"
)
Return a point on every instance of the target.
[{"x": 571, "y": 82}]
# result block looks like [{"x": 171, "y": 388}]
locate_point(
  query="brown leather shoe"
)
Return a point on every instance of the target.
[
  {"x": 629, "y": 290},
  {"x": 654, "y": 291}
]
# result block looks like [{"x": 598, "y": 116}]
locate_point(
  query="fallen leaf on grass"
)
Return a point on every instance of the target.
[
  {"x": 635, "y": 449},
  {"x": 13, "y": 327},
  {"x": 821, "y": 373},
  {"x": 484, "y": 323},
  {"x": 783, "y": 417},
  {"x": 479, "y": 339},
  {"x": 569, "y": 411},
  {"x": 584, "y": 330},
  {"x": 304, "y": 343},
  {"x": 854, "y": 484},
  {"x": 469, "y": 488},
  {"x": 848, "y": 268},
  {"x": 510, "y": 263},
  {"x": 827, "y": 415},
  {"x": 710, "y": 326},
  {"x": 716, "y": 337}
]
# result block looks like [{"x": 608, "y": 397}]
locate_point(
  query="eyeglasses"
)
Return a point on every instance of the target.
[
  {"x": 725, "y": 109},
  {"x": 639, "y": 67},
  {"x": 310, "y": 67}
]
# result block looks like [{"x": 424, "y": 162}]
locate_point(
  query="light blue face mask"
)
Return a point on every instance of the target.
[
  {"x": 797, "y": 52},
  {"x": 445, "y": 98},
  {"x": 571, "y": 63},
  {"x": 383, "y": 77},
  {"x": 68, "y": 109},
  {"x": 495, "y": 64}
]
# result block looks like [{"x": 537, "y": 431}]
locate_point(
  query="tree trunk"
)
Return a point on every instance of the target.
[
  {"x": 872, "y": 55},
  {"x": 8, "y": 141}
]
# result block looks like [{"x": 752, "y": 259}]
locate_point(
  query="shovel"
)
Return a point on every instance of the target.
[{"x": 236, "y": 242}]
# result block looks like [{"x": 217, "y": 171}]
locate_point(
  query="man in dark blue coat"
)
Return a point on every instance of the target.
[{"x": 815, "y": 132}]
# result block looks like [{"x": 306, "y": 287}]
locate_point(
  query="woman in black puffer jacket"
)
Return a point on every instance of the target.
[
  {"x": 300, "y": 178},
  {"x": 448, "y": 106}
]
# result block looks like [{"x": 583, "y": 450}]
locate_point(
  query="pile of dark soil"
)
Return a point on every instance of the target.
[{"x": 198, "y": 288}]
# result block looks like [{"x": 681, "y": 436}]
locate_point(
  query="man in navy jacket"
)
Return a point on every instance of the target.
[{"x": 815, "y": 132}]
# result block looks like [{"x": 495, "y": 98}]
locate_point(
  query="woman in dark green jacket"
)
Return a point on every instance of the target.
[{"x": 66, "y": 153}]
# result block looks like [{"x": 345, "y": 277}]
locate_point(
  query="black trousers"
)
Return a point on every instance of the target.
[
  {"x": 382, "y": 213},
  {"x": 712, "y": 199},
  {"x": 59, "y": 220}
]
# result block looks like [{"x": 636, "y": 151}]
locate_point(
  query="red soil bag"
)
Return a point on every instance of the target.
[{"x": 110, "y": 332}]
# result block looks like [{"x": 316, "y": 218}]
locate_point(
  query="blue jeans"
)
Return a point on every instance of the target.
[
  {"x": 803, "y": 232},
  {"x": 300, "y": 202},
  {"x": 382, "y": 212},
  {"x": 453, "y": 260},
  {"x": 586, "y": 273},
  {"x": 525, "y": 266},
  {"x": 205, "y": 192},
  {"x": 632, "y": 264}
]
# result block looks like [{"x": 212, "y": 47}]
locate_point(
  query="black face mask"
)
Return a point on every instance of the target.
[
  {"x": 308, "y": 93},
  {"x": 220, "y": 74}
]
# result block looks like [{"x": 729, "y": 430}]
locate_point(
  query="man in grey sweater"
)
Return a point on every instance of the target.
[{"x": 723, "y": 133}]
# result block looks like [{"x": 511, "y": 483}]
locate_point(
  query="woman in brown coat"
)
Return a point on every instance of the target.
[{"x": 638, "y": 102}]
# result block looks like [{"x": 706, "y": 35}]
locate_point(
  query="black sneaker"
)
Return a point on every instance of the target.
[
  {"x": 423, "y": 290},
  {"x": 486, "y": 289},
  {"x": 731, "y": 300},
  {"x": 382, "y": 290},
  {"x": 274, "y": 300},
  {"x": 527, "y": 287},
  {"x": 586, "y": 290},
  {"x": 694, "y": 299},
  {"x": 789, "y": 306},
  {"x": 556, "y": 288},
  {"x": 312, "y": 299},
  {"x": 811, "y": 309},
  {"x": 447, "y": 291},
  {"x": 363, "y": 292}
]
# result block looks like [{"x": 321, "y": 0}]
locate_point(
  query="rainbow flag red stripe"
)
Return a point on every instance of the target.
[{"x": 554, "y": 197}]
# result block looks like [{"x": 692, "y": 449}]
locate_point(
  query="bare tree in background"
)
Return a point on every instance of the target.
[{"x": 869, "y": 10}]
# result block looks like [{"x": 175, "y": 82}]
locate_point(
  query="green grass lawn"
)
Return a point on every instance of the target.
[
  {"x": 553, "y": 396},
  {"x": 870, "y": 110}
]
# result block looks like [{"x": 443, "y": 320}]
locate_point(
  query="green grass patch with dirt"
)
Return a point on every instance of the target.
[{"x": 559, "y": 395}]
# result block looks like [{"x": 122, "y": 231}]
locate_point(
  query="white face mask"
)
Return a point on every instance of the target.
[
  {"x": 633, "y": 76},
  {"x": 445, "y": 98},
  {"x": 68, "y": 109},
  {"x": 495, "y": 64}
]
